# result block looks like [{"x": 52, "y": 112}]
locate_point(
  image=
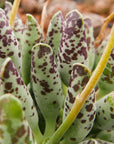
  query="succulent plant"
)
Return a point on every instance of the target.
[{"x": 40, "y": 81}]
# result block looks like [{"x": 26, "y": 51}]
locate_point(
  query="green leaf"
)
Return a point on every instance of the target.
[
  {"x": 105, "y": 113},
  {"x": 7, "y": 9},
  {"x": 73, "y": 47},
  {"x": 13, "y": 126},
  {"x": 31, "y": 36},
  {"x": 106, "y": 82},
  {"x": 18, "y": 25},
  {"x": 84, "y": 121},
  {"x": 107, "y": 135},
  {"x": 103, "y": 142},
  {"x": 90, "y": 141},
  {"x": 9, "y": 46},
  {"x": 46, "y": 83},
  {"x": 54, "y": 32},
  {"x": 95, "y": 141},
  {"x": 90, "y": 41},
  {"x": 11, "y": 82}
]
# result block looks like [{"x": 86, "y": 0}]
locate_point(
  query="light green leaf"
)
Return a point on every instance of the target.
[
  {"x": 105, "y": 112},
  {"x": 84, "y": 121},
  {"x": 11, "y": 82},
  {"x": 54, "y": 32},
  {"x": 13, "y": 126},
  {"x": 90, "y": 41},
  {"x": 9, "y": 46},
  {"x": 73, "y": 48},
  {"x": 31, "y": 36},
  {"x": 46, "y": 83}
]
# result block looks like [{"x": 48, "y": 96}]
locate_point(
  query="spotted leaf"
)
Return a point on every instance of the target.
[
  {"x": 84, "y": 121},
  {"x": 31, "y": 36},
  {"x": 103, "y": 142},
  {"x": 90, "y": 41},
  {"x": 9, "y": 46},
  {"x": 90, "y": 141},
  {"x": 7, "y": 9},
  {"x": 54, "y": 32},
  {"x": 18, "y": 25},
  {"x": 46, "y": 82},
  {"x": 11, "y": 82},
  {"x": 13, "y": 126},
  {"x": 73, "y": 47},
  {"x": 107, "y": 135},
  {"x": 105, "y": 112},
  {"x": 95, "y": 141},
  {"x": 106, "y": 82}
]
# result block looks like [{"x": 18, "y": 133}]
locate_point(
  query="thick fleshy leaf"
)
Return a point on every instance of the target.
[
  {"x": 54, "y": 32},
  {"x": 13, "y": 126},
  {"x": 31, "y": 36},
  {"x": 95, "y": 141},
  {"x": 46, "y": 82},
  {"x": 7, "y": 9},
  {"x": 73, "y": 47},
  {"x": 11, "y": 82},
  {"x": 9, "y": 46},
  {"x": 79, "y": 78},
  {"x": 18, "y": 25},
  {"x": 90, "y": 41},
  {"x": 106, "y": 82},
  {"x": 107, "y": 135},
  {"x": 103, "y": 142},
  {"x": 90, "y": 141},
  {"x": 84, "y": 121},
  {"x": 105, "y": 113}
]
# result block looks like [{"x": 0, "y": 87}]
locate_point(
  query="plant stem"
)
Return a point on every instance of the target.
[
  {"x": 64, "y": 87},
  {"x": 13, "y": 12},
  {"x": 101, "y": 34},
  {"x": 38, "y": 136},
  {"x": 50, "y": 127},
  {"x": 80, "y": 99}
]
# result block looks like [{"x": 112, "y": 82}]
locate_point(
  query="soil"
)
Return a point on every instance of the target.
[{"x": 97, "y": 10}]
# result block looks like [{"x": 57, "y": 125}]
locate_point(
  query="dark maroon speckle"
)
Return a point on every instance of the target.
[
  {"x": 76, "y": 87},
  {"x": 8, "y": 32},
  {"x": 83, "y": 121},
  {"x": 71, "y": 98},
  {"x": 79, "y": 23},
  {"x": 52, "y": 70},
  {"x": 8, "y": 85},
  {"x": 91, "y": 117},
  {"x": 34, "y": 79},
  {"x": 2, "y": 54},
  {"x": 80, "y": 115},
  {"x": 73, "y": 139},
  {"x": 112, "y": 116},
  {"x": 43, "y": 51},
  {"x": 89, "y": 107},
  {"x": 19, "y": 81},
  {"x": 11, "y": 53},
  {"x": 8, "y": 68},
  {"x": 2, "y": 24},
  {"x": 112, "y": 55}
]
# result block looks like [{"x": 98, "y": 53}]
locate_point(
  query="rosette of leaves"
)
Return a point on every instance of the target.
[{"x": 34, "y": 69}]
